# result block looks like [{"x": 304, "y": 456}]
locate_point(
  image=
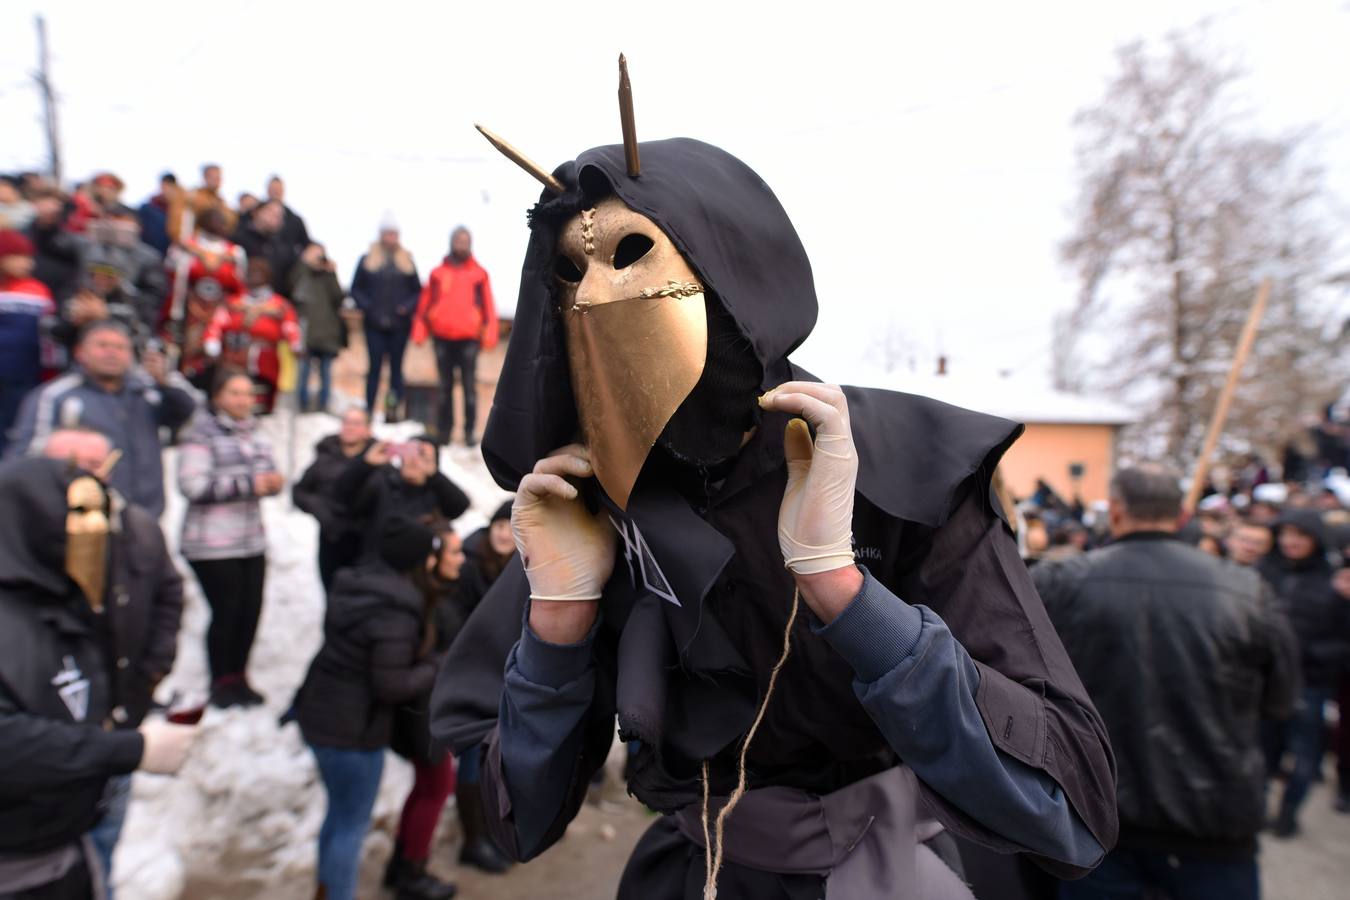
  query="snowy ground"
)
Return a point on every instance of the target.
[{"x": 242, "y": 818}]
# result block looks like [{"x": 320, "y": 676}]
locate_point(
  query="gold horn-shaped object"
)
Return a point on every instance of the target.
[
  {"x": 520, "y": 159},
  {"x": 630, "y": 147}
]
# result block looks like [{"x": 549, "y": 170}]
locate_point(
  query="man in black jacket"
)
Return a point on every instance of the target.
[
  {"x": 59, "y": 688},
  {"x": 317, "y": 493},
  {"x": 398, "y": 480},
  {"x": 1300, "y": 572},
  {"x": 1182, "y": 654},
  {"x": 142, "y": 620}
]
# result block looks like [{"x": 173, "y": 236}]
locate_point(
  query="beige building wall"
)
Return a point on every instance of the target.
[{"x": 1047, "y": 450}]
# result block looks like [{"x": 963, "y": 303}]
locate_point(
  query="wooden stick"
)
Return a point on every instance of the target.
[{"x": 1216, "y": 423}]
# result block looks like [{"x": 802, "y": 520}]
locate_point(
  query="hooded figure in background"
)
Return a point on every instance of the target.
[{"x": 806, "y": 728}]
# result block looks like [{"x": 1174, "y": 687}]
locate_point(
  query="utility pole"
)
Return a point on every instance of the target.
[{"x": 44, "y": 83}]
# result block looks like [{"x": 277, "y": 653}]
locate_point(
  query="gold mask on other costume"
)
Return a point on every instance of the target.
[
  {"x": 87, "y": 537},
  {"x": 637, "y": 335}
]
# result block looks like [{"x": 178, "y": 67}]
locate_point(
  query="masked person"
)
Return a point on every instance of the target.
[
  {"x": 60, "y": 689},
  {"x": 205, "y": 270},
  {"x": 248, "y": 331},
  {"x": 810, "y": 594}
]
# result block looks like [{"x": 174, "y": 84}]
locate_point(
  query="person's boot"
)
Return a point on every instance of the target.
[
  {"x": 247, "y": 695},
  {"x": 479, "y": 850},
  {"x": 226, "y": 692},
  {"x": 397, "y": 868},
  {"x": 391, "y": 415},
  {"x": 1286, "y": 826},
  {"x": 419, "y": 884}
]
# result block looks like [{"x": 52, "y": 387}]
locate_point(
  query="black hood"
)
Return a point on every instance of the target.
[
  {"x": 363, "y": 590},
  {"x": 33, "y": 525},
  {"x": 731, "y": 229}
]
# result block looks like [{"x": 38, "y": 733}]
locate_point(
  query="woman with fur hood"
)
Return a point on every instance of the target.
[{"x": 385, "y": 289}]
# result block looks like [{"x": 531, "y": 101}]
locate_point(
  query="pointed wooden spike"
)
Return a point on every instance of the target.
[{"x": 520, "y": 159}]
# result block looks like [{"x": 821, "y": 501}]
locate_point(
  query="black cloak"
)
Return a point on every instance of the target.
[{"x": 676, "y": 678}]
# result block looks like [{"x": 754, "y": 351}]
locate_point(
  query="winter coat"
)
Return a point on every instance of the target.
[
  {"x": 26, "y": 307},
  {"x": 58, "y": 262},
  {"x": 154, "y": 219},
  {"x": 317, "y": 490},
  {"x": 368, "y": 663},
  {"x": 203, "y": 274},
  {"x": 318, "y": 299},
  {"x": 130, "y": 418},
  {"x": 1183, "y": 655},
  {"x": 381, "y": 493},
  {"x": 386, "y": 288},
  {"x": 1321, "y": 618},
  {"x": 58, "y": 746},
  {"x": 217, "y": 462},
  {"x": 247, "y": 330},
  {"x": 456, "y": 305},
  {"x": 274, "y": 248}
]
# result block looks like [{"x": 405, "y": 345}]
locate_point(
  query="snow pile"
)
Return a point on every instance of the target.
[{"x": 242, "y": 818}]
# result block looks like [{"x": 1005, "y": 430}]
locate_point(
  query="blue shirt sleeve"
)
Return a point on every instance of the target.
[{"x": 918, "y": 684}]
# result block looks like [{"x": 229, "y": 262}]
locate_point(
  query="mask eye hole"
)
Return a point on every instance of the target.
[
  {"x": 567, "y": 270},
  {"x": 631, "y": 249}
]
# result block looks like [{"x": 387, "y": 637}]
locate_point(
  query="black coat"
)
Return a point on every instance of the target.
[
  {"x": 279, "y": 253},
  {"x": 317, "y": 490},
  {"x": 1321, "y": 618},
  {"x": 144, "y": 611},
  {"x": 386, "y": 293},
  {"x": 378, "y": 494},
  {"x": 58, "y": 744},
  {"x": 59, "y": 259},
  {"x": 369, "y": 662},
  {"x": 1183, "y": 654}
]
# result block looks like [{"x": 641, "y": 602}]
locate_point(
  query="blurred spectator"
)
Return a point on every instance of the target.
[
  {"x": 245, "y": 204},
  {"x": 1148, "y": 622},
  {"x": 187, "y": 211},
  {"x": 294, "y": 234},
  {"x": 16, "y": 213},
  {"x": 224, "y": 468},
  {"x": 1340, "y": 582},
  {"x": 83, "y": 209},
  {"x": 122, "y": 269},
  {"x": 260, "y": 236},
  {"x": 317, "y": 296},
  {"x": 141, "y": 620},
  {"x": 248, "y": 330},
  {"x": 1301, "y": 575},
  {"x": 1250, "y": 542},
  {"x": 59, "y": 743},
  {"x": 433, "y": 766},
  {"x": 400, "y": 480},
  {"x": 205, "y": 270},
  {"x": 107, "y": 393},
  {"x": 370, "y": 662},
  {"x": 456, "y": 309},
  {"x": 1068, "y": 538},
  {"x": 154, "y": 214},
  {"x": 59, "y": 253},
  {"x": 106, "y": 191},
  {"x": 487, "y": 551},
  {"x": 26, "y": 308},
  {"x": 385, "y": 288},
  {"x": 317, "y": 493}
]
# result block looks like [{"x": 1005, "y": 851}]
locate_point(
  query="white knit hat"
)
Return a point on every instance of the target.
[{"x": 388, "y": 222}]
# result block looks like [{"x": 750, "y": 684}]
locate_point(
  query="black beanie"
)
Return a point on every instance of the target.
[
  {"x": 404, "y": 544},
  {"x": 503, "y": 512}
]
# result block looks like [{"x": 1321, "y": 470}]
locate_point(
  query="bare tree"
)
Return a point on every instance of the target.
[{"x": 1182, "y": 208}]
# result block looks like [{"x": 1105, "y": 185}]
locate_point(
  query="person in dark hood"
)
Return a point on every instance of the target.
[
  {"x": 317, "y": 493},
  {"x": 370, "y": 662},
  {"x": 59, "y": 689},
  {"x": 654, "y": 312},
  {"x": 1301, "y": 574}
]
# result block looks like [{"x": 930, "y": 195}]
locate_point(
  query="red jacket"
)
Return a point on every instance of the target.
[
  {"x": 246, "y": 330},
  {"x": 456, "y": 305}
]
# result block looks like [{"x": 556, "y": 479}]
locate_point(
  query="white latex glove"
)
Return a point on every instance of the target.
[
  {"x": 815, "y": 522},
  {"x": 166, "y": 746},
  {"x": 568, "y": 553}
]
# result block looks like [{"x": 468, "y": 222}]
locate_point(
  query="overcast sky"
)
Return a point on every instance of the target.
[{"x": 924, "y": 151}]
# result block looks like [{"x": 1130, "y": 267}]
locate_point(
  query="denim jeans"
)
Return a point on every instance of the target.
[
  {"x": 117, "y": 797},
  {"x": 1301, "y": 737},
  {"x": 351, "y": 779},
  {"x": 384, "y": 344},
  {"x": 324, "y": 363},
  {"x": 1134, "y": 875}
]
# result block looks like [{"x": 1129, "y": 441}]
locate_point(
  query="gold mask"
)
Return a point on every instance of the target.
[
  {"x": 87, "y": 538},
  {"x": 637, "y": 335}
]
